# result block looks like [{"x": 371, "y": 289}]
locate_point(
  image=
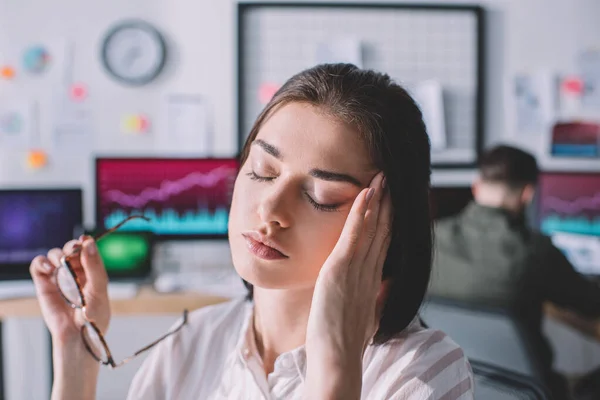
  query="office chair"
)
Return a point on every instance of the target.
[
  {"x": 495, "y": 383},
  {"x": 487, "y": 335}
]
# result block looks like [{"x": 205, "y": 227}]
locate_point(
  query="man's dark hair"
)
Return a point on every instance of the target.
[
  {"x": 508, "y": 165},
  {"x": 392, "y": 128}
]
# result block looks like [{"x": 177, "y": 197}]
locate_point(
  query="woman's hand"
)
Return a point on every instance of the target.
[
  {"x": 63, "y": 321},
  {"x": 75, "y": 370},
  {"x": 344, "y": 314}
]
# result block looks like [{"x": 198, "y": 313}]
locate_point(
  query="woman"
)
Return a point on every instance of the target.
[{"x": 330, "y": 230}]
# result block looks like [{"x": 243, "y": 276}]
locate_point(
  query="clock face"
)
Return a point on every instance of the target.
[{"x": 134, "y": 53}]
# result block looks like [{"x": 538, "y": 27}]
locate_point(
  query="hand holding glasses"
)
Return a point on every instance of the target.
[{"x": 71, "y": 284}]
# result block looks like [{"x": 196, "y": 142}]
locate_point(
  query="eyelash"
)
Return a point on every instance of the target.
[{"x": 316, "y": 206}]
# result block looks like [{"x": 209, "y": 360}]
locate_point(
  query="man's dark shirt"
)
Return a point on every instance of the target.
[{"x": 486, "y": 256}]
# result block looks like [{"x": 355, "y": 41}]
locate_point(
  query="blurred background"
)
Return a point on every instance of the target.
[{"x": 109, "y": 108}]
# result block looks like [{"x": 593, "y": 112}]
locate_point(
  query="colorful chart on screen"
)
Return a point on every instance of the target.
[
  {"x": 181, "y": 197},
  {"x": 569, "y": 202}
]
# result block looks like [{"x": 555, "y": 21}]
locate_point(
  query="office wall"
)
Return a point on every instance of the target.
[{"x": 523, "y": 35}]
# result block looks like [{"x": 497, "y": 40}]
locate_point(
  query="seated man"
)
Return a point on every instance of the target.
[{"x": 488, "y": 255}]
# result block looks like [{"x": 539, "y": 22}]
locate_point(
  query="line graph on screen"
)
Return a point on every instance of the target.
[
  {"x": 570, "y": 203},
  {"x": 180, "y": 196}
]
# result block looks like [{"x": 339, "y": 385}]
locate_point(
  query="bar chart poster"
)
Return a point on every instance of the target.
[
  {"x": 181, "y": 197},
  {"x": 569, "y": 203}
]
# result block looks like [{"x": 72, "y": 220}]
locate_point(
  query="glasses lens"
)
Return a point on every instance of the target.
[
  {"x": 94, "y": 343},
  {"x": 68, "y": 286}
]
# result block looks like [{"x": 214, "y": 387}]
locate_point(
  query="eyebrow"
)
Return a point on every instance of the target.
[
  {"x": 315, "y": 172},
  {"x": 334, "y": 177},
  {"x": 269, "y": 148}
]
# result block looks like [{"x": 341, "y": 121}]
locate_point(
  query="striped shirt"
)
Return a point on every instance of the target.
[{"x": 215, "y": 357}]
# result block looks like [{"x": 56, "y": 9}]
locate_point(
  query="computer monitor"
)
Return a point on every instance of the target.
[
  {"x": 127, "y": 254},
  {"x": 568, "y": 210},
  {"x": 449, "y": 201},
  {"x": 33, "y": 221},
  {"x": 182, "y": 197}
]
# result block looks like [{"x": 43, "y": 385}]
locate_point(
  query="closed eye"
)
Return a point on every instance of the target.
[
  {"x": 317, "y": 206},
  {"x": 322, "y": 207},
  {"x": 259, "y": 178}
]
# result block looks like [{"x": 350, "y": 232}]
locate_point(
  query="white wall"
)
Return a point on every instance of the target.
[{"x": 523, "y": 35}]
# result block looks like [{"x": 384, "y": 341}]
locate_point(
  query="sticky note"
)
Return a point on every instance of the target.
[
  {"x": 266, "y": 91},
  {"x": 7, "y": 72},
  {"x": 36, "y": 59},
  {"x": 78, "y": 92},
  {"x": 134, "y": 123},
  {"x": 37, "y": 159}
]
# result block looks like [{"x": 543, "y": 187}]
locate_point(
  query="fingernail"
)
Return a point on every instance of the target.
[
  {"x": 90, "y": 248},
  {"x": 370, "y": 194},
  {"x": 383, "y": 182},
  {"x": 47, "y": 267}
]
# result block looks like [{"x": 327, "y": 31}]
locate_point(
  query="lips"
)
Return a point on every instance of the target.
[{"x": 262, "y": 247}]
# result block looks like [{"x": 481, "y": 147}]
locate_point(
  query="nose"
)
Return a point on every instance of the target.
[{"x": 274, "y": 208}]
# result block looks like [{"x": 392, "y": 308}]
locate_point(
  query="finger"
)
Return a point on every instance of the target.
[
  {"x": 54, "y": 255},
  {"x": 94, "y": 267},
  {"x": 41, "y": 268},
  {"x": 69, "y": 248},
  {"x": 351, "y": 233},
  {"x": 42, "y": 271},
  {"x": 381, "y": 242},
  {"x": 370, "y": 222}
]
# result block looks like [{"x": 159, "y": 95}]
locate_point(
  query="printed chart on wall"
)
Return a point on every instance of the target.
[
  {"x": 569, "y": 211},
  {"x": 433, "y": 51},
  {"x": 181, "y": 197}
]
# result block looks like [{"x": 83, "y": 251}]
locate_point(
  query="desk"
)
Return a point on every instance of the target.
[
  {"x": 147, "y": 302},
  {"x": 588, "y": 327}
]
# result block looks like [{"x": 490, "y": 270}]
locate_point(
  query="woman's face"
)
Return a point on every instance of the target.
[{"x": 292, "y": 196}]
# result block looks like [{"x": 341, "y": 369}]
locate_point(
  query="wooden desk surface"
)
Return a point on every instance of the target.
[
  {"x": 586, "y": 326},
  {"x": 150, "y": 302},
  {"x": 147, "y": 302}
]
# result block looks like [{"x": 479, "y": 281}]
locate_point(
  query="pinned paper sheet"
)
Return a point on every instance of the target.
[
  {"x": 588, "y": 64},
  {"x": 134, "y": 123},
  {"x": 534, "y": 102},
  {"x": 340, "y": 50},
  {"x": 188, "y": 129},
  {"x": 73, "y": 122},
  {"x": 37, "y": 159},
  {"x": 16, "y": 125},
  {"x": 429, "y": 97}
]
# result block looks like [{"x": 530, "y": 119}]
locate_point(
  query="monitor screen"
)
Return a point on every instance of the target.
[
  {"x": 568, "y": 210},
  {"x": 449, "y": 201},
  {"x": 127, "y": 254},
  {"x": 34, "y": 221},
  {"x": 569, "y": 202},
  {"x": 182, "y": 197}
]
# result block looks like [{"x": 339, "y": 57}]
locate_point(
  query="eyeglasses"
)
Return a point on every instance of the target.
[{"x": 71, "y": 290}]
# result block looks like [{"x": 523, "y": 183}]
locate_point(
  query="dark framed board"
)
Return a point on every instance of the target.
[{"x": 416, "y": 44}]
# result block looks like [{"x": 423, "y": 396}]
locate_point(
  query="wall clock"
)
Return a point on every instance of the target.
[{"x": 134, "y": 52}]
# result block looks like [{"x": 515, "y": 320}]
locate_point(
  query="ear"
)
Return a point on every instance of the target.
[
  {"x": 527, "y": 194},
  {"x": 475, "y": 186}
]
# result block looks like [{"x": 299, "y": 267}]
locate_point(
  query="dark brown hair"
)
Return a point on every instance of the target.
[
  {"x": 391, "y": 125},
  {"x": 508, "y": 165}
]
